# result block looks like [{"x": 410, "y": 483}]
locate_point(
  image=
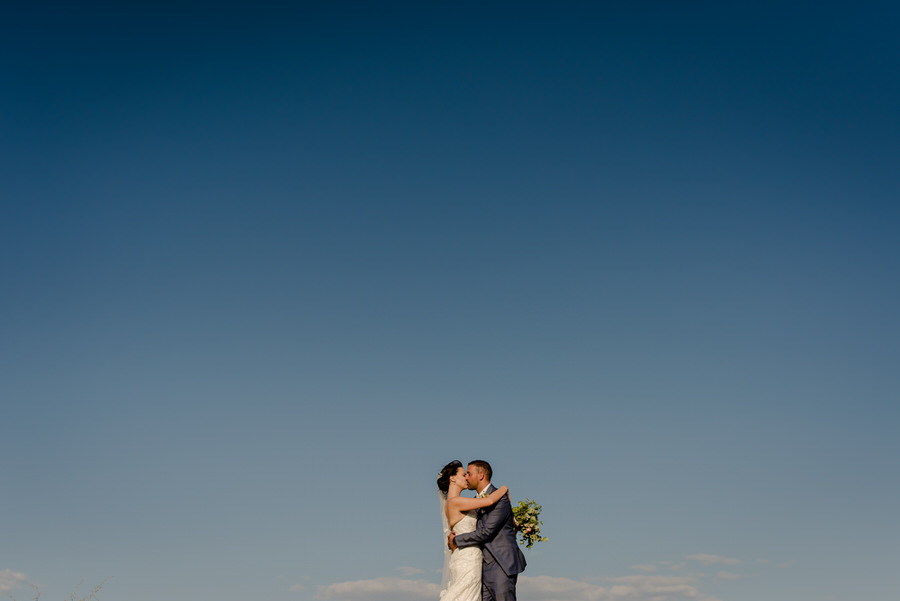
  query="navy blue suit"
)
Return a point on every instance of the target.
[{"x": 495, "y": 533}]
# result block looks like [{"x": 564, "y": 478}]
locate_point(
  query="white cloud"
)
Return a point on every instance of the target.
[
  {"x": 547, "y": 588},
  {"x": 646, "y": 586},
  {"x": 297, "y": 588},
  {"x": 656, "y": 588},
  {"x": 706, "y": 558},
  {"x": 727, "y": 575},
  {"x": 381, "y": 589},
  {"x": 10, "y": 580},
  {"x": 627, "y": 588}
]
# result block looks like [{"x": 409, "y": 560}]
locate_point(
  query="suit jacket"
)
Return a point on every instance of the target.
[{"x": 495, "y": 533}]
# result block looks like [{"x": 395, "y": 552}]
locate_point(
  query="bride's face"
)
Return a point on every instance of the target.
[{"x": 459, "y": 478}]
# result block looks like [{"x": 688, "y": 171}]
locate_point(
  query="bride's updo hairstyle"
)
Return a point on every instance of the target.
[{"x": 450, "y": 469}]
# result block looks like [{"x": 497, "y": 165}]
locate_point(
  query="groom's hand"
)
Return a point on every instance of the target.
[{"x": 451, "y": 542}]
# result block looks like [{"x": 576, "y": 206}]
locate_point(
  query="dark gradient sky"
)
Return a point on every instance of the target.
[{"x": 652, "y": 242}]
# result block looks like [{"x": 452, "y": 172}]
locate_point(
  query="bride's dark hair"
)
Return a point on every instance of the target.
[{"x": 450, "y": 469}]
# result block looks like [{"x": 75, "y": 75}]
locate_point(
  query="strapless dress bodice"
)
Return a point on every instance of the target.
[{"x": 467, "y": 524}]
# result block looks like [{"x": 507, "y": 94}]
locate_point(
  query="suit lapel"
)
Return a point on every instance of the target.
[{"x": 490, "y": 488}]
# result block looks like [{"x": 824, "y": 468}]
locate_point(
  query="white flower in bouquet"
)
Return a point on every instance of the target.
[{"x": 526, "y": 515}]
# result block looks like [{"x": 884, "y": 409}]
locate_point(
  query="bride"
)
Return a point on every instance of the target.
[{"x": 462, "y": 568}]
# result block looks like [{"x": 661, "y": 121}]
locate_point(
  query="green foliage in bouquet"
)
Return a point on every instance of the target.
[{"x": 526, "y": 514}]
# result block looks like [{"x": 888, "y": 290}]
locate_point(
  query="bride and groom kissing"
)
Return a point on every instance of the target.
[{"x": 484, "y": 561}]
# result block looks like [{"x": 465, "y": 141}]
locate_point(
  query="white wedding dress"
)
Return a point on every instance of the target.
[{"x": 465, "y": 567}]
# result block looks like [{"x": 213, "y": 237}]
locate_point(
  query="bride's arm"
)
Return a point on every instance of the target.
[
  {"x": 467, "y": 504},
  {"x": 493, "y": 522}
]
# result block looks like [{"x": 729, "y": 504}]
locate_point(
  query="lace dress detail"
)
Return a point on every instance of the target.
[{"x": 465, "y": 567}]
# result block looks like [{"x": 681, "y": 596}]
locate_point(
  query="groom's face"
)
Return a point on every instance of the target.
[{"x": 473, "y": 476}]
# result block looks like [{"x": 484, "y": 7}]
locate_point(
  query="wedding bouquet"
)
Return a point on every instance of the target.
[{"x": 526, "y": 515}]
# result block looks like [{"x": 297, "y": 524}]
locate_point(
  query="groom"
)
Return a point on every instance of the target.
[{"x": 495, "y": 533}]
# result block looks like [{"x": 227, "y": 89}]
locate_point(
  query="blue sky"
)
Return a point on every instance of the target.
[{"x": 265, "y": 270}]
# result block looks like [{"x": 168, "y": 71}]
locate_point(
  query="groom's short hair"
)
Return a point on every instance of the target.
[{"x": 484, "y": 465}]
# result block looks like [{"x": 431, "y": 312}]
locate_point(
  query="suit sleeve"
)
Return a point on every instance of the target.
[{"x": 490, "y": 525}]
